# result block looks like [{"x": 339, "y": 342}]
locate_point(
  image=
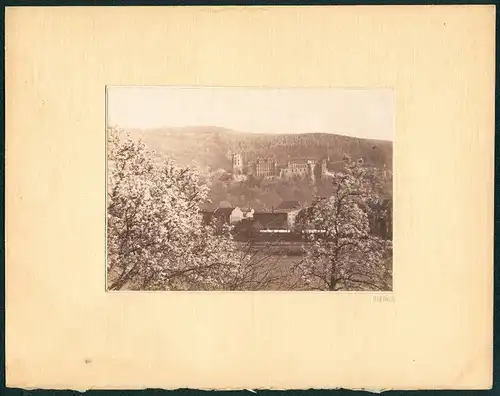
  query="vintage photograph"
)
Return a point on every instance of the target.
[{"x": 249, "y": 189}]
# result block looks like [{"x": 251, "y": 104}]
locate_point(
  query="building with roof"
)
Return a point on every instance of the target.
[
  {"x": 289, "y": 205},
  {"x": 292, "y": 209},
  {"x": 271, "y": 220},
  {"x": 220, "y": 215},
  {"x": 280, "y": 218}
]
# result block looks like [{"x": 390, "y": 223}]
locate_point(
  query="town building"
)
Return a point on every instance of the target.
[
  {"x": 281, "y": 218},
  {"x": 292, "y": 209},
  {"x": 223, "y": 215},
  {"x": 271, "y": 220}
]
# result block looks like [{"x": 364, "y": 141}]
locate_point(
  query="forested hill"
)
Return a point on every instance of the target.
[{"x": 212, "y": 147}]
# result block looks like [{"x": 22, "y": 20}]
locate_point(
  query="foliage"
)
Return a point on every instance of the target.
[
  {"x": 156, "y": 239},
  {"x": 261, "y": 194},
  {"x": 343, "y": 254},
  {"x": 213, "y": 147}
]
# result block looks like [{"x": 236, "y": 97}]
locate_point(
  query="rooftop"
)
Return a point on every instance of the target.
[
  {"x": 285, "y": 205},
  {"x": 270, "y": 220},
  {"x": 223, "y": 211}
]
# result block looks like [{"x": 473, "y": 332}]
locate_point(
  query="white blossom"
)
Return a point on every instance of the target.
[
  {"x": 346, "y": 256},
  {"x": 156, "y": 239}
]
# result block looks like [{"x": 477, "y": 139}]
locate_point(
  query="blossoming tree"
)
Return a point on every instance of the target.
[
  {"x": 343, "y": 253},
  {"x": 155, "y": 237}
]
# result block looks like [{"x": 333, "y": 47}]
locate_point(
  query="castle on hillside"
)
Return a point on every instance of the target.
[
  {"x": 266, "y": 167},
  {"x": 237, "y": 164},
  {"x": 304, "y": 168},
  {"x": 269, "y": 168}
]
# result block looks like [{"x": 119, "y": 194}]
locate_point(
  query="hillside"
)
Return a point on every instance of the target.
[{"x": 212, "y": 147}]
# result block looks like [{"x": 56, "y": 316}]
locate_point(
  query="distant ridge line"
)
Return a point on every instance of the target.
[{"x": 216, "y": 129}]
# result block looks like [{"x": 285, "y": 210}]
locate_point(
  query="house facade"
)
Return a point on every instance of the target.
[{"x": 292, "y": 209}]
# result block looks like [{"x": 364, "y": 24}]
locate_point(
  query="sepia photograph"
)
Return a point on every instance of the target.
[
  {"x": 249, "y": 189},
  {"x": 266, "y": 198}
]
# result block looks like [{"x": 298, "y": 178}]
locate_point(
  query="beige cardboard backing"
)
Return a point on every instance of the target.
[{"x": 64, "y": 330}]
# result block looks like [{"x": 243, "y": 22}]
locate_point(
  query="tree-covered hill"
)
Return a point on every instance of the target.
[{"x": 212, "y": 147}]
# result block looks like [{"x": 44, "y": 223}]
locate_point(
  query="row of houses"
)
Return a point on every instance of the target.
[{"x": 283, "y": 218}]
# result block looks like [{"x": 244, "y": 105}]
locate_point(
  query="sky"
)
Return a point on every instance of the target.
[{"x": 354, "y": 112}]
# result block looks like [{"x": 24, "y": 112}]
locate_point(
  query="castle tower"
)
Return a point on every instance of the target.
[{"x": 237, "y": 163}]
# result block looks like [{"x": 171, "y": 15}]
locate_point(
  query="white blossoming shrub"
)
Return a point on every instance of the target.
[
  {"x": 343, "y": 254},
  {"x": 155, "y": 237}
]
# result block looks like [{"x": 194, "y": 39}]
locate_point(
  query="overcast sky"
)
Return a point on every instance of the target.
[{"x": 353, "y": 112}]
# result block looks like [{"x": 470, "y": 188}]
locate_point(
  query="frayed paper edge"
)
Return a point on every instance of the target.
[{"x": 255, "y": 391}]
